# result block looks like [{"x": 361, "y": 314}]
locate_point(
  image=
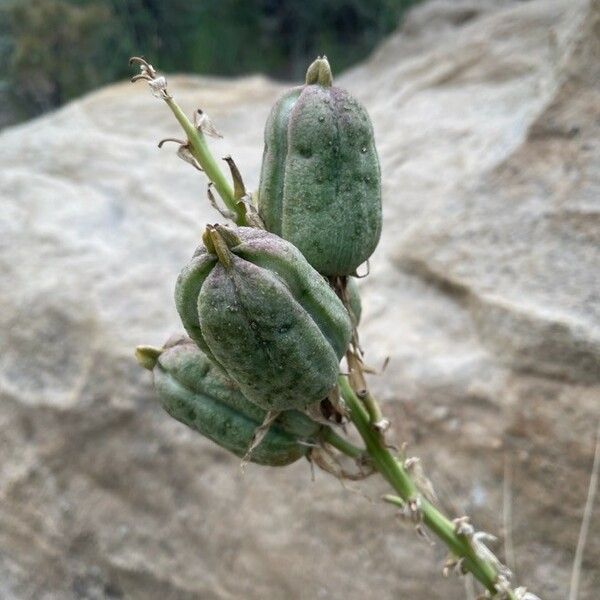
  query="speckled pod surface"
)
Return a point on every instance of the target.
[
  {"x": 265, "y": 316},
  {"x": 193, "y": 391},
  {"x": 320, "y": 185}
]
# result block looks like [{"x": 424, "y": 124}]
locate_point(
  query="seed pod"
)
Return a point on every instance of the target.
[
  {"x": 192, "y": 390},
  {"x": 261, "y": 312},
  {"x": 320, "y": 181}
]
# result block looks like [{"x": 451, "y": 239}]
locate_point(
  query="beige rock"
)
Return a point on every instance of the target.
[{"x": 484, "y": 292}]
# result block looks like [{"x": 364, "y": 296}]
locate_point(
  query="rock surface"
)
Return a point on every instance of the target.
[{"x": 484, "y": 292}]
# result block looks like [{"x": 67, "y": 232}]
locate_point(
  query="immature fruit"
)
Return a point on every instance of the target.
[
  {"x": 320, "y": 178},
  {"x": 264, "y": 315},
  {"x": 191, "y": 390}
]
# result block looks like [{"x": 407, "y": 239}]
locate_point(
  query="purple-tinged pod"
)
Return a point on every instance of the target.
[
  {"x": 320, "y": 183},
  {"x": 252, "y": 302},
  {"x": 193, "y": 391}
]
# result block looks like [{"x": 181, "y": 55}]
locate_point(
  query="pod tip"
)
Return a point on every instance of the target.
[
  {"x": 319, "y": 72},
  {"x": 147, "y": 356}
]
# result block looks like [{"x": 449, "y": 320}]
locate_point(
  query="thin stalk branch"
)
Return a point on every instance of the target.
[
  {"x": 403, "y": 485},
  {"x": 196, "y": 144},
  {"x": 344, "y": 446},
  {"x": 201, "y": 152}
]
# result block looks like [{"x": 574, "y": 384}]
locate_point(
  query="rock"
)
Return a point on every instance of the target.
[{"x": 484, "y": 293}]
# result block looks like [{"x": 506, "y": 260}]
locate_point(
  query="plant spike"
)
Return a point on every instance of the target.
[
  {"x": 196, "y": 143},
  {"x": 468, "y": 552}
]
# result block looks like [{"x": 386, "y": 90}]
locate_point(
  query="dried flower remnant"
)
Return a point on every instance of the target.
[
  {"x": 228, "y": 214},
  {"x": 183, "y": 151},
  {"x": 203, "y": 123},
  {"x": 521, "y": 593},
  {"x": 414, "y": 467},
  {"x": 156, "y": 83}
]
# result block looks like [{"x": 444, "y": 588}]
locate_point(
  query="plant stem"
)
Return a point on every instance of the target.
[
  {"x": 358, "y": 379},
  {"x": 201, "y": 152},
  {"x": 404, "y": 486},
  {"x": 344, "y": 446}
]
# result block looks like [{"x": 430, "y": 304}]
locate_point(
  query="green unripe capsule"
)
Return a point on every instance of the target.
[
  {"x": 192, "y": 390},
  {"x": 252, "y": 302},
  {"x": 320, "y": 184}
]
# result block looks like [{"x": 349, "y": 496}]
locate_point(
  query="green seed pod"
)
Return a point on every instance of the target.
[
  {"x": 192, "y": 390},
  {"x": 252, "y": 302},
  {"x": 320, "y": 182}
]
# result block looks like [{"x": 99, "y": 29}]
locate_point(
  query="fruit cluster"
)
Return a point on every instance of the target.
[{"x": 266, "y": 329}]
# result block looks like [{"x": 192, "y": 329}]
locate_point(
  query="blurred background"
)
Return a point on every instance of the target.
[
  {"x": 52, "y": 51},
  {"x": 484, "y": 293}
]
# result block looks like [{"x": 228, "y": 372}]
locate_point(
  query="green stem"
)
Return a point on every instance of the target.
[
  {"x": 201, "y": 152},
  {"x": 400, "y": 480},
  {"x": 355, "y": 367},
  {"x": 344, "y": 446},
  {"x": 375, "y": 414}
]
